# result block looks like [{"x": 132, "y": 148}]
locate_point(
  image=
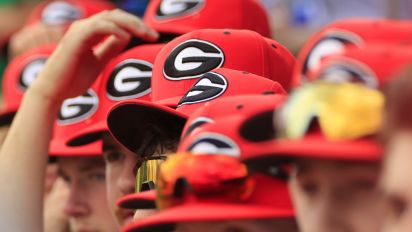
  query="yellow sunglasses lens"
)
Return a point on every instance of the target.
[
  {"x": 147, "y": 174},
  {"x": 344, "y": 111}
]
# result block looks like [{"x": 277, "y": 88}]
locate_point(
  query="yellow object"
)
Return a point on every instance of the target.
[{"x": 344, "y": 111}]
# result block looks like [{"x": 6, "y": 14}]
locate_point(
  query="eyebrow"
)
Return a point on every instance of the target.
[{"x": 91, "y": 165}]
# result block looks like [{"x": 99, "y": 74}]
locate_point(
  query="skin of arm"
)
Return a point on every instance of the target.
[{"x": 71, "y": 69}]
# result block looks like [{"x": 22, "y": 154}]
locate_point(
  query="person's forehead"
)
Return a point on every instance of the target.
[
  {"x": 250, "y": 225},
  {"x": 80, "y": 164}
]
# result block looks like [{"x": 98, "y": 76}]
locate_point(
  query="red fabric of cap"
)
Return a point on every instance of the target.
[
  {"x": 334, "y": 38},
  {"x": 62, "y": 13},
  {"x": 315, "y": 145},
  {"x": 180, "y": 17},
  {"x": 217, "y": 127},
  {"x": 219, "y": 83},
  {"x": 126, "y": 77},
  {"x": 183, "y": 60},
  {"x": 223, "y": 82},
  {"x": 270, "y": 200},
  {"x": 18, "y": 76},
  {"x": 73, "y": 113}
]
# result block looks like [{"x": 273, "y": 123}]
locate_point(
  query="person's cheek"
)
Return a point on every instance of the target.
[{"x": 112, "y": 194}]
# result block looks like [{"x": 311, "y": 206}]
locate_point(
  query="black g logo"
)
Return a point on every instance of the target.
[
  {"x": 77, "y": 109},
  {"x": 196, "y": 123},
  {"x": 191, "y": 59},
  {"x": 214, "y": 144},
  {"x": 58, "y": 13},
  {"x": 130, "y": 79},
  {"x": 175, "y": 8},
  {"x": 209, "y": 87},
  {"x": 30, "y": 72}
]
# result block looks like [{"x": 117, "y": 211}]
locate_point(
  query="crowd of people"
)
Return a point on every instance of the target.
[{"x": 192, "y": 118}]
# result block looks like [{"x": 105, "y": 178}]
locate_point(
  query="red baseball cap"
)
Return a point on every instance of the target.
[
  {"x": 336, "y": 37},
  {"x": 267, "y": 198},
  {"x": 126, "y": 77},
  {"x": 218, "y": 128},
  {"x": 214, "y": 85},
  {"x": 18, "y": 76},
  {"x": 316, "y": 145},
  {"x": 64, "y": 12},
  {"x": 71, "y": 118},
  {"x": 183, "y": 60},
  {"x": 183, "y": 16},
  {"x": 373, "y": 65},
  {"x": 223, "y": 127},
  {"x": 313, "y": 142}
]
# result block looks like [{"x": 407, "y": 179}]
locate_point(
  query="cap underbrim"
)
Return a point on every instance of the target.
[
  {"x": 166, "y": 220},
  {"x": 126, "y": 118},
  {"x": 142, "y": 200},
  {"x": 89, "y": 134}
]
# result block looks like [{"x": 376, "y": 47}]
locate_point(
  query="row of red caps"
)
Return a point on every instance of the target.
[{"x": 219, "y": 80}]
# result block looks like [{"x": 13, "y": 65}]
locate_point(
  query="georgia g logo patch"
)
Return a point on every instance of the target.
[
  {"x": 345, "y": 72},
  {"x": 30, "y": 72},
  {"x": 210, "y": 86},
  {"x": 214, "y": 144},
  {"x": 191, "y": 59},
  {"x": 77, "y": 109},
  {"x": 333, "y": 43},
  {"x": 176, "y": 8},
  {"x": 130, "y": 79},
  {"x": 58, "y": 13}
]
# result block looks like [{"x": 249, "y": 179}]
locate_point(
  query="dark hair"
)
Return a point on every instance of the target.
[
  {"x": 398, "y": 107},
  {"x": 155, "y": 139}
]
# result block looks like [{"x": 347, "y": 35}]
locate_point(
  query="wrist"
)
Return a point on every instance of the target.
[{"x": 40, "y": 95}]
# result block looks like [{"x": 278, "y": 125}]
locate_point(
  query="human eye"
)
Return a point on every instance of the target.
[
  {"x": 112, "y": 156},
  {"x": 309, "y": 187},
  {"x": 98, "y": 176}
]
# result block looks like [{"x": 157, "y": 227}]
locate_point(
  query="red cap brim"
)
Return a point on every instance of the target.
[
  {"x": 204, "y": 212},
  {"x": 142, "y": 200},
  {"x": 313, "y": 146},
  {"x": 125, "y": 118}
]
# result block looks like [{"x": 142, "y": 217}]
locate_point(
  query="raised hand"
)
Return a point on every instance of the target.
[{"x": 86, "y": 47}]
